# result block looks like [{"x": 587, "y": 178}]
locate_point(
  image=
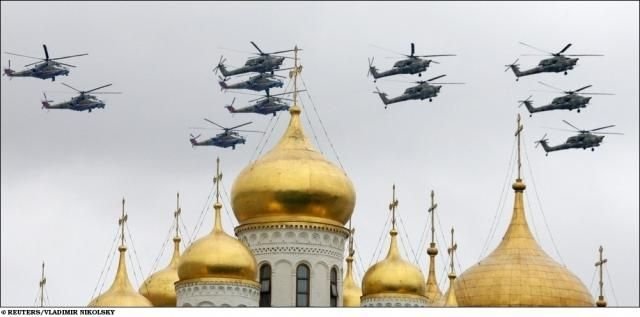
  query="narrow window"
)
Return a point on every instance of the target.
[
  {"x": 333, "y": 289},
  {"x": 302, "y": 286},
  {"x": 265, "y": 285}
]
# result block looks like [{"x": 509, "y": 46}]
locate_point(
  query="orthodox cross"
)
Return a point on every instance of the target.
[
  {"x": 432, "y": 210},
  {"x": 601, "y": 264},
  {"x": 176, "y": 214},
  {"x": 392, "y": 207},
  {"x": 518, "y": 130},
  {"x": 121, "y": 222},
  {"x": 452, "y": 250},
  {"x": 43, "y": 281},
  {"x": 217, "y": 179}
]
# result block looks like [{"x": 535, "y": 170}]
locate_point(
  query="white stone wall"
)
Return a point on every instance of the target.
[
  {"x": 217, "y": 293},
  {"x": 285, "y": 246},
  {"x": 392, "y": 301}
]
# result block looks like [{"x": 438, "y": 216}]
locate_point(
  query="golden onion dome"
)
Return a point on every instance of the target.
[
  {"x": 519, "y": 273},
  {"x": 217, "y": 255},
  {"x": 121, "y": 293},
  {"x": 293, "y": 182},
  {"x": 393, "y": 276},
  {"x": 159, "y": 288},
  {"x": 351, "y": 292}
]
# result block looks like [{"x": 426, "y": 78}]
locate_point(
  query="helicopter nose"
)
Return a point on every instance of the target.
[
  {"x": 574, "y": 61},
  {"x": 600, "y": 138},
  {"x": 438, "y": 88},
  {"x": 588, "y": 99}
]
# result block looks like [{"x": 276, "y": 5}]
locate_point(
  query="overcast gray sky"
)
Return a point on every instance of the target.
[{"x": 64, "y": 173}]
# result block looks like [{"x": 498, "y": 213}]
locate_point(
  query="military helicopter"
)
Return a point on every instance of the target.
[
  {"x": 413, "y": 64},
  {"x": 571, "y": 100},
  {"x": 264, "y": 105},
  {"x": 84, "y": 101},
  {"x": 228, "y": 138},
  {"x": 557, "y": 64},
  {"x": 257, "y": 83},
  {"x": 420, "y": 92},
  {"x": 44, "y": 69},
  {"x": 586, "y": 139},
  {"x": 264, "y": 63}
]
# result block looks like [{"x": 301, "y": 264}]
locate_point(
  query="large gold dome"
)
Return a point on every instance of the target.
[
  {"x": 293, "y": 182},
  {"x": 121, "y": 293},
  {"x": 519, "y": 273},
  {"x": 393, "y": 276},
  {"x": 159, "y": 288},
  {"x": 217, "y": 255}
]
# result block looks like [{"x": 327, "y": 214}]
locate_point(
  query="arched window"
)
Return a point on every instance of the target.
[
  {"x": 302, "y": 286},
  {"x": 265, "y": 285},
  {"x": 333, "y": 288}
]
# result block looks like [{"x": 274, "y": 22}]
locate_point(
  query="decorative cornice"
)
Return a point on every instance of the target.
[{"x": 293, "y": 225}]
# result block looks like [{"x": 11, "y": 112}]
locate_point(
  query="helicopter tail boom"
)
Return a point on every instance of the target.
[{"x": 231, "y": 109}]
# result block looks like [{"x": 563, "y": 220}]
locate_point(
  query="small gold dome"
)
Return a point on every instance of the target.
[
  {"x": 159, "y": 288},
  {"x": 393, "y": 276},
  {"x": 432, "y": 291},
  {"x": 519, "y": 273},
  {"x": 351, "y": 292},
  {"x": 121, "y": 293},
  {"x": 293, "y": 182},
  {"x": 217, "y": 255}
]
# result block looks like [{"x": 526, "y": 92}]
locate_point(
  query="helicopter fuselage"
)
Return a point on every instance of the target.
[
  {"x": 270, "y": 105},
  {"x": 78, "y": 103},
  {"x": 410, "y": 66},
  {"x": 260, "y": 64},
  {"x": 44, "y": 70},
  {"x": 223, "y": 140},
  {"x": 580, "y": 141},
  {"x": 556, "y": 64},
  {"x": 566, "y": 102},
  {"x": 256, "y": 83}
]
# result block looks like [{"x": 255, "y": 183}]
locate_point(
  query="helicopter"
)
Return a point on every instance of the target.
[
  {"x": 257, "y": 83},
  {"x": 420, "y": 92},
  {"x": 228, "y": 138},
  {"x": 586, "y": 139},
  {"x": 264, "y": 63},
  {"x": 264, "y": 105},
  {"x": 413, "y": 64},
  {"x": 84, "y": 101},
  {"x": 571, "y": 100},
  {"x": 557, "y": 64},
  {"x": 44, "y": 69}
]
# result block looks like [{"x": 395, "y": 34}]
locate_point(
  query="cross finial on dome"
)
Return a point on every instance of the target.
[
  {"x": 176, "y": 215},
  {"x": 518, "y": 130},
  {"x": 451, "y": 250},
  {"x": 217, "y": 179},
  {"x": 392, "y": 207},
  {"x": 297, "y": 69},
  {"x": 352, "y": 231},
  {"x": 601, "y": 302},
  {"x": 121, "y": 222},
  {"x": 43, "y": 281},
  {"x": 432, "y": 211}
]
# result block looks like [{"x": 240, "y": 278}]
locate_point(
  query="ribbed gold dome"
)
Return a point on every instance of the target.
[
  {"x": 393, "y": 276},
  {"x": 217, "y": 255},
  {"x": 121, "y": 293},
  {"x": 519, "y": 273},
  {"x": 351, "y": 292},
  {"x": 159, "y": 288},
  {"x": 293, "y": 182}
]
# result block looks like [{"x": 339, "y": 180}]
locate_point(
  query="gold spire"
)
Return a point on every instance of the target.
[
  {"x": 518, "y": 272},
  {"x": 601, "y": 302},
  {"x": 351, "y": 293},
  {"x": 43, "y": 281},
  {"x": 433, "y": 292},
  {"x": 450, "y": 297},
  {"x": 393, "y": 276},
  {"x": 159, "y": 288},
  {"x": 293, "y": 182},
  {"x": 121, "y": 293},
  {"x": 217, "y": 255}
]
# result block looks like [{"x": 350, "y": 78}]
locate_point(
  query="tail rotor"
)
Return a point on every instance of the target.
[
  {"x": 512, "y": 65},
  {"x": 370, "y": 66},
  {"x": 522, "y": 102},
  {"x": 45, "y": 102},
  {"x": 541, "y": 140},
  {"x": 220, "y": 63}
]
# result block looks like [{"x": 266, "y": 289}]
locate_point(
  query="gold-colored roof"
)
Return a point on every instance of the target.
[
  {"x": 159, "y": 288},
  {"x": 217, "y": 255},
  {"x": 293, "y": 182},
  {"x": 351, "y": 292},
  {"x": 121, "y": 293},
  {"x": 393, "y": 275},
  {"x": 519, "y": 273}
]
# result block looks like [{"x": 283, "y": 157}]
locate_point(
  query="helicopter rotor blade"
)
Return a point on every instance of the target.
[
  {"x": 547, "y": 85},
  {"x": 107, "y": 93},
  {"x": 447, "y": 83},
  {"x": 413, "y": 49},
  {"x": 57, "y": 58},
  {"x": 34, "y": 63},
  {"x": 241, "y": 125},
  {"x": 285, "y": 51},
  {"x": 584, "y": 55},
  {"x": 72, "y": 88},
  {"x": 597, "y": 93},
  {"x": 221, "y": 127},
  {"x": 535, "y": 48},
  {"x": 256, "y": 46},
  {"x": 25, "y": 56},
  {"x": 616, "y": 133},
  {"x": 434, "y": 78},
  {"x": 94, "y": 89},
  {"x": 564, "y": 49},
  {"x": 435, "y": 62},
  {"x": 565, "y": 121},
  {"x": 583, "y": 88},
  {"x": 436, "y": 55},
  {"x": 65, "y": 64},
  {"x": 46, "y": 52},
  {"x": 252, "y": 131},
  {"x": 609, "y": 126}
]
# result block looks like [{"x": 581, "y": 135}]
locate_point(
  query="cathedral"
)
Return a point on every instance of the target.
[{"x": 293, "y": 207}]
